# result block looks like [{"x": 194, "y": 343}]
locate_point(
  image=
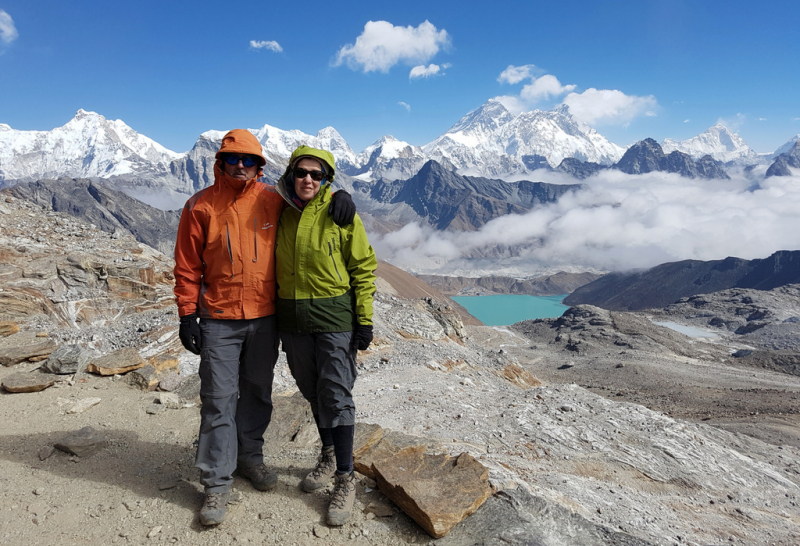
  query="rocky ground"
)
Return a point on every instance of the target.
[{"x": 596, "y": 428}]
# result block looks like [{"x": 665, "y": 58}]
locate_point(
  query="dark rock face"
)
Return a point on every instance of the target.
[
  {"x": 451, "y": 201},
  {"x": 782, "y": 164},
  {"x": 108, "y": 209},
  {"x": 666, "y": 283},
  {"x": 647, "y": 156},
  {"x": 579, "y": 169}
]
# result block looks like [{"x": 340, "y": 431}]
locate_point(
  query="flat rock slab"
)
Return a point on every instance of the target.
[
  {"x": 83, "y": 405},
  {"x": 436, "y": 491},
  {"x": 28, "y": 382},
  {"x": 371, "y": 444},
  {"x": 13, "y": 355},
  {"x": 118, "y": 362},
  {"x": 84, "y": 442},
  {"x": 516, "y": 518}
]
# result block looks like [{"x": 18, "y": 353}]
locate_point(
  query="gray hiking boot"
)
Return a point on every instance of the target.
[
  {"x": 322, "y": 473},
  {"x": 342, "y": 499},
  {"x": 259, "y": 475},
  {"x": 214, "y": 507}
]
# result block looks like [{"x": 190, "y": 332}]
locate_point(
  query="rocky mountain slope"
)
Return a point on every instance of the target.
[
  {"x": 647, "y": 156},
  {"x": 446, "y": 200},
  {"x": 546, "y": 285},
  {"x": 666, "y": 283},
  {"x": 545, "y": 407},
  {"x": 785, "y": 162},
  {"x": 110, "y": 210}
]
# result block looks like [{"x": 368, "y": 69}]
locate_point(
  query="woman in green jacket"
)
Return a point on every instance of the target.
[{"x": 326, "y": 282}]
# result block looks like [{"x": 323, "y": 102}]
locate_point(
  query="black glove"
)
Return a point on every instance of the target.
[
  {"x": 342, "y": 208},
  {"x": 362, "y": 337},
  {"x": 190, "y": 334}
]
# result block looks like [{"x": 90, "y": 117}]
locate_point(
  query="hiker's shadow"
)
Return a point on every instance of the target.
[{"x": 148, "y": 469}]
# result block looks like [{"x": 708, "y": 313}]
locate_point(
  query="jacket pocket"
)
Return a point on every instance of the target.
[{"x": 331, "y": 247}]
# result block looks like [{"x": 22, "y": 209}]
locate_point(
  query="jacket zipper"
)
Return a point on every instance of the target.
[
  {"x": 330, "y": 253},
  {"x": 255, "y": 239},
  {"x": 230, "y": 251}
]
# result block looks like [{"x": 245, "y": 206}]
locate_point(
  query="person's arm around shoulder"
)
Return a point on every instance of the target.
[{"x": 361, "y": 265}]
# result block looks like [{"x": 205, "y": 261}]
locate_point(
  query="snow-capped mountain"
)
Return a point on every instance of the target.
[
  {"x": 719, "y": 143},
  {"x": 89, "y": 145},
  {"x": 786, "y": 147},
  {"x": 491, "y": 141},
  {"x": 390, "y": 159}
]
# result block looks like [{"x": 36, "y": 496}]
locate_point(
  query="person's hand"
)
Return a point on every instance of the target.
[
  {"x": 362, "y": 337},
  {"x": 342, "y": 208},
  {"x": 190, "y": 334}
]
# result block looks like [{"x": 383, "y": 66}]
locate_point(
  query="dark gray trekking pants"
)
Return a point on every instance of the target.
[
  {"x": 237, "y": 362},
  {"x": 324, "y": 367}
]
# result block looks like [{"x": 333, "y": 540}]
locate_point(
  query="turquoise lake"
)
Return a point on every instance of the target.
[{"x": 505, "y": 309}]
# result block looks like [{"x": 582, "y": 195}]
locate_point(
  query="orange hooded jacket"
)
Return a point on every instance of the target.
[{"x": 225, "y": 250}]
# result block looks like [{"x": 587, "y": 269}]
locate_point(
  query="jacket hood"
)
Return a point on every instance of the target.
[
  {"x": 285, "y": 185},
  {"x": 240, "y": 141}
]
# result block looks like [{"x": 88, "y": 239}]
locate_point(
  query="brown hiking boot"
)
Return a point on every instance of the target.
[
  {"x": 214, "y": 507},
  {"x": 261, "y": 478},
  {"x": 342, "y": 499},
  {"x": 322, "y": 473}
]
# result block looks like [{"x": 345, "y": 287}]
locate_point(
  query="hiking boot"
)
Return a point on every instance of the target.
[
  {"x": 214, "y": 507},
  {"x": 342, "y": 499},
  {"x": 322, "y": 473},
  {"x": 261, "y": 478}
]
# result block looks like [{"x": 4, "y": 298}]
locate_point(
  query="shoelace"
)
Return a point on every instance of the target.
[
  {"x": 324, "y": 462},
  {"x": 213, "y": 500},
  {"x": 340, "y": 492}
]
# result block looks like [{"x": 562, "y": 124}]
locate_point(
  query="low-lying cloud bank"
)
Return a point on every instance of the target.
[{"x": 619, "y": 222}]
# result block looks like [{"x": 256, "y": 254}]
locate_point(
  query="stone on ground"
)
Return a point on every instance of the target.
[
  {"x": 67, "y": 359},
  {"x": 436, "y": 491},
  {"x": 83, "y": 442},
  {"x": 118, "y": 362},
  {"x": 28, "y": 382}
]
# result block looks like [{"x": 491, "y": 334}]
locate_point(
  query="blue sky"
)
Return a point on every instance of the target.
[{"x": 173, "y": 70}]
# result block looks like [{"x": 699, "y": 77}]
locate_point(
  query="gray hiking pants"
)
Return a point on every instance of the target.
[
  {"x": 237, "y": 362},
  {"x": 324, "y": 367}
]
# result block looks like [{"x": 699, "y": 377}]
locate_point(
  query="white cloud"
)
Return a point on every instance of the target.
[
  {"x": 405, "y": 105},
  {"x": 543, "y": 88},
  {"x": 619, "y": 222},
  {"x": 538, "y": 88},
  {"x": 8, "y": 31},
  {"x": 687, "y": 120},
  {"x": 762, "y": 119},
  {"x": 423, "y": 71},
  {"x": 515, "y": 74},
  {"x": 271, "y": 45},
  {"x": 382, "y": 45},
  {"x": 609, "y": 106}
]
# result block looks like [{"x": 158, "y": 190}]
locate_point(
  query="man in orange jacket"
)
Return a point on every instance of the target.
[{"x": 225, "y": 276}]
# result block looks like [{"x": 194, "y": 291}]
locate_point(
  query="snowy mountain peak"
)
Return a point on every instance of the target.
[{"x": 718, "y": 142}]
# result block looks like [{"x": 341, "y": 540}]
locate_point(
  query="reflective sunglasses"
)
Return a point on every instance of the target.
[
  {"x": 315, "y": 175},
  {"x": 247, "y": 160}
]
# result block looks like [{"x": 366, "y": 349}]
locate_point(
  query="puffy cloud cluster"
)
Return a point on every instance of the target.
[
  {"x": 8, "y": 30},
  {"x": 618, "y": 222},
  {"x": 609, "y": 106},
  {"x": 593, "y": 106},
  {"x": 268, "y": 44},
  {"x": 423, "y": 71},
  {"x": 382, "y": 45}
]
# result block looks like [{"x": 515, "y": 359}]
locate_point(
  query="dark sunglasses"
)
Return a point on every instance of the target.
[
  {"x": 315, "y": 175},
  {"x": 247, "y": 160}
]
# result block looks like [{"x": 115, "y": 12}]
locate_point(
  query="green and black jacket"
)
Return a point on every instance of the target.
[{"x": 325, "y": 273}]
